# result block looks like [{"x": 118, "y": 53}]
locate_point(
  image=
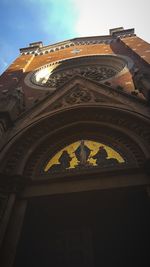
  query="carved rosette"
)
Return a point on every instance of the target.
[{"x": 78, "y": 95}]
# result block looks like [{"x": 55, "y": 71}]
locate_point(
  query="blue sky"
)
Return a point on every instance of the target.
[{"x": 50, "y": 21}]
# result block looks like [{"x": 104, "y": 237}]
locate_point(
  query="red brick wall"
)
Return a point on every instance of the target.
[
  {"x": 139, "y": 46},
  {"x": 129, "y": 46}
]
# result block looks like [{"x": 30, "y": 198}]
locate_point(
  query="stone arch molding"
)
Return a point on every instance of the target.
[{"x": 26, "y": 152}]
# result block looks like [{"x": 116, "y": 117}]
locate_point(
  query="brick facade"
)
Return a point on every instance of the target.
[
  {"x": 97, "y": 90},
  {"x": 128, "y": 45}
]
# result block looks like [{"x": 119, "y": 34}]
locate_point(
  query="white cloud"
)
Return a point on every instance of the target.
[{"x": 96, "y": 17}]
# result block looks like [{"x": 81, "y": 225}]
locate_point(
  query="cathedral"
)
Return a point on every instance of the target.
[{"x": 75, "y": 153}]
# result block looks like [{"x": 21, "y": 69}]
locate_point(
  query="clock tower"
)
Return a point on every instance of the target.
[{"x": 75, "y": 153}]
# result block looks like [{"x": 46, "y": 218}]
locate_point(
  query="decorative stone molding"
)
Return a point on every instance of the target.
[
  {"x": 111, "y": 123},
  {"x": 99, "y": 94},
  {"x": 122, "y": 33},
  {"x": 36, "y": 50},
  {"x": 78, "y": 95}
]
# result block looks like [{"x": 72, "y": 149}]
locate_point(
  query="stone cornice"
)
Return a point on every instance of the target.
[
  {"x": 124, "y": 33},
  {"x": 37, "y": 50},
  {"x": 87, "y": 182},
  {"x": 91, "y": 40}
]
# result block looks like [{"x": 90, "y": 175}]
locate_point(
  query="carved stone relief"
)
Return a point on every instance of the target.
[
  {"x": 12, "y": 103},
  {"x": 141, "y": 81},
  {"x": 75, "y": 96},
  {"x": 79, "y": 94}
]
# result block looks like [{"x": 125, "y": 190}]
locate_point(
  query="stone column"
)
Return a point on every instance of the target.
[
  {"x": 8, "y": 251},
  {"x": 6, "y": 213},
  {"x": 12, "y": 216}
]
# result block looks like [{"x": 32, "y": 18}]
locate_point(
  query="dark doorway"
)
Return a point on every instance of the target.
[{"x": 97, "y": 228}]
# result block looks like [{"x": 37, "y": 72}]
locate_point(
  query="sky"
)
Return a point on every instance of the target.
[{"x": 26, "y": 21}]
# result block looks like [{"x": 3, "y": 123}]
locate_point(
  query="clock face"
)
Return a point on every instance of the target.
[{"x": 97, "y": 68}]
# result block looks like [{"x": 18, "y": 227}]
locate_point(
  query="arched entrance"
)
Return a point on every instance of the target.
[
  {"x": 102, "y": 227},
  {"x": 88, "y": 215}
]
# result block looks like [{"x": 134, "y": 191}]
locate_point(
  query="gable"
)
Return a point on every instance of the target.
[{"x": 82, "y": 91}]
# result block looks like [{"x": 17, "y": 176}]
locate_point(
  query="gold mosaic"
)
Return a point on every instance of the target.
[{"x": 84, "y": 153}]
